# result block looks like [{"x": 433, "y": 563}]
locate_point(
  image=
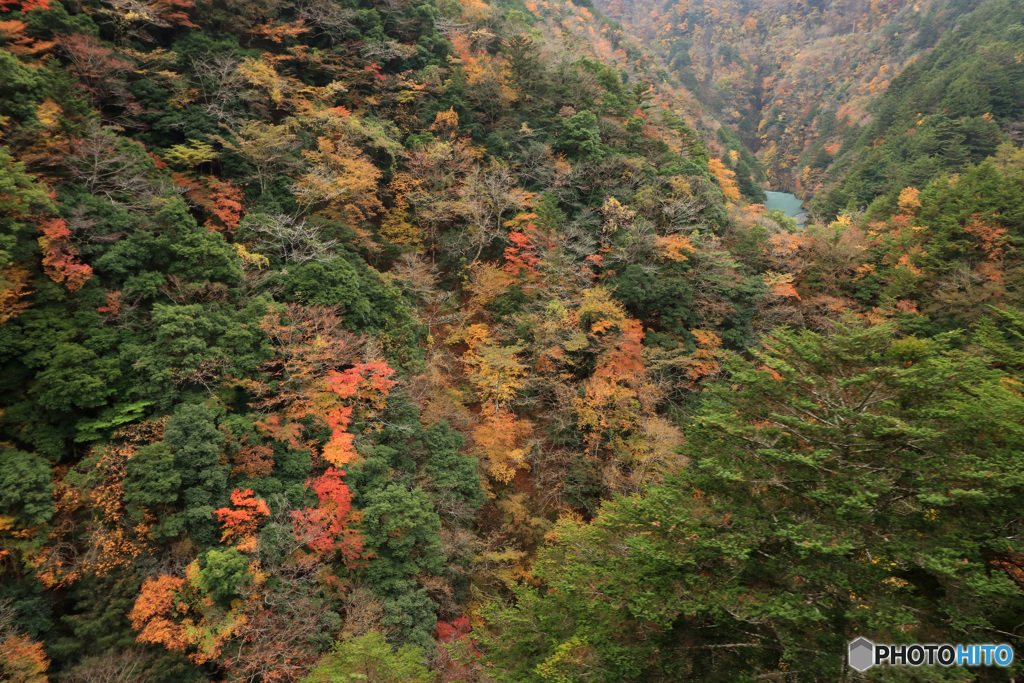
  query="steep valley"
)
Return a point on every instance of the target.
[{"x": 509, "y": 341}]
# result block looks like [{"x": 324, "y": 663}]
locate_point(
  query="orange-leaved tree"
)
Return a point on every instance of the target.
[
  {"x": 60, "y": 259},
  {"x": 328, "y": 528},
  {"x": 303, "y": 381},
  {"x": 241, "y": 521},
  {"x": 226, "y": 609}
]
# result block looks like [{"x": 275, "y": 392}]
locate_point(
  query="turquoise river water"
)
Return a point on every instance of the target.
[{"x": 790, "y": 204}]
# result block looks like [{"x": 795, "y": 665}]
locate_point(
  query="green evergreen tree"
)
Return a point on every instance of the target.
[
  {"x": 851, "y": 484},
  {"x": 197, "y": 444},
  {"x": 369, "y": 658}
]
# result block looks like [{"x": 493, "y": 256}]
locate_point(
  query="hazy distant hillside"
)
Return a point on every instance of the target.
[
  {"x": 791, "y": 77},
  {"x": 437, "y": 341},
  {"x": 950, "y": 108}
]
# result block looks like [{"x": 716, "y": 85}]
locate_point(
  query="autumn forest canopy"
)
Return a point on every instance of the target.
[{"x": 452, "y": 340}]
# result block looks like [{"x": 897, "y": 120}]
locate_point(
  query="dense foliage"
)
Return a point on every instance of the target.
[
  {"x": 441, "y": 341},
  {"x": 821, "y": 91},
  {"x": 851, "y": 484},
  {"x": 948, "y": 109}
]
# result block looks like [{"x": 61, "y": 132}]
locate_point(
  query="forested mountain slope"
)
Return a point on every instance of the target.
[
  {"x": 792, "y": 77},
  {"x": 950, "y": 108},
  {"x": 406, "y": 340},
  {"x": 317, "y": 315}
]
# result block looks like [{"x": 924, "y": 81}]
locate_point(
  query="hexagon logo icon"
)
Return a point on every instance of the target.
[{"x": 862, "y": 654}]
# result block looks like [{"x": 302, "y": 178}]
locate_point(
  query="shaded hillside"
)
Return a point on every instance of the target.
[
  {"x": 416, "y": 341},
  {"x": 791, "y": 77},
  {"x": 317, "y": 315},
  {"x": 949, "y": 109}
]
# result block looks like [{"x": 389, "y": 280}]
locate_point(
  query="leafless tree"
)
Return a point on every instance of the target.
[
  {"x": 636, "y": 247},
  {"x": 291, "y": 239},
  {"x": 329, "y": 18},
  {"x": 418, "y": 277},
  {"x": 219, "y": 83},
  {"x": 122, "y": 666},
  {"x": 112, "y": 167},
  {"x": 387, "y": 50},
  {"x": 489, "y": 193},
  {"x": 449, "y": 27}
]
